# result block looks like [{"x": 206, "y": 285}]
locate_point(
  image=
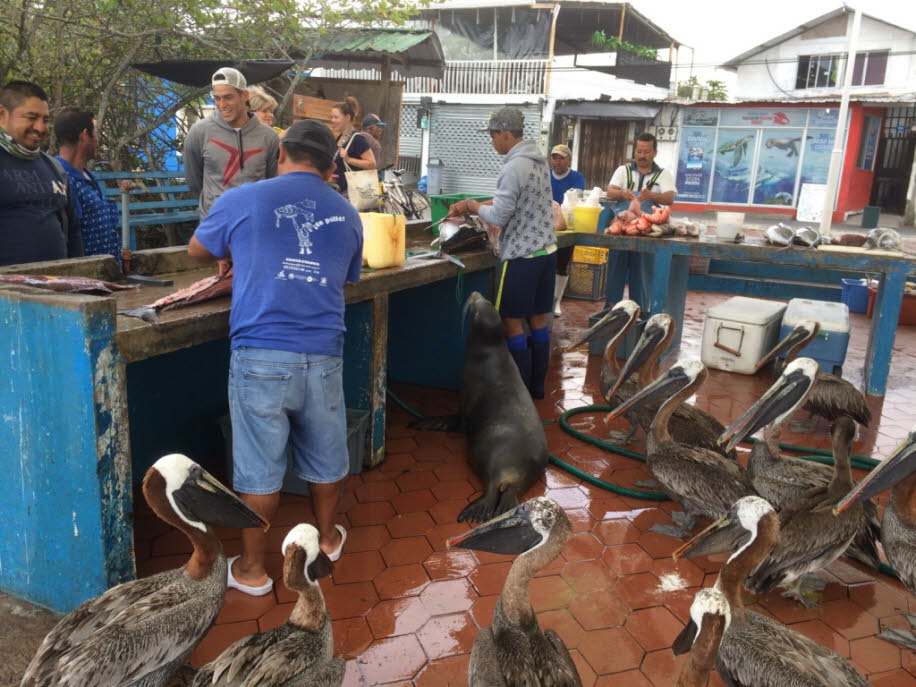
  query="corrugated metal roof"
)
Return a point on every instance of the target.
[
  {"x": 858, "y": 98},
  {"x": 412, "y": 52}
]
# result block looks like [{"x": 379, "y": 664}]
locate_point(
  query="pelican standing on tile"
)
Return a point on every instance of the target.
[
  {"x": 897, "y": 472},
  {"x": 298, "y": 653},
  {"x": 688, "y": 424},
  {"x": 704, "y": 482},
  {"x": 139, "y": 633},
  {"x": 615, "y": 325},
  {"x": 780, "y": 479},
  {"x": 750, "y": 649},
  {"x": 831, "y": 396},
  {"x": 810, "y": 536},
  {"x": 514, "y": 650}
]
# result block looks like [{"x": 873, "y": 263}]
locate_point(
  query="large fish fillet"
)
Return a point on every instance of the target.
[
  {"x": 204, "y": 290},
  {"x": 65, "y": 284}
]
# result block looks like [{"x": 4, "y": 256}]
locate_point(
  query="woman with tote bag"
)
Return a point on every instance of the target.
[{"x": 355, "y": 160}]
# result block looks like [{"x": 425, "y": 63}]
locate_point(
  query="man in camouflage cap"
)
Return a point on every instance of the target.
[{"x": 526, "y": 244}]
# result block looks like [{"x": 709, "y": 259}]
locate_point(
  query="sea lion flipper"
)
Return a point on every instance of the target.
[
  {"x": 439, "y": 423},
  {"x": 479, "y": 510}
]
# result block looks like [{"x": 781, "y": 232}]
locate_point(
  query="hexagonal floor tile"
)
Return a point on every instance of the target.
[
  {"x": 583, "y": 546},
  {"x": 599, "y": 610},
  {"x": 610, "y": 651},
  {"x": 395, "y": 658},
  {"x": 406, "y": 550},
  {"x": 587, "y": 576},
  {"x": 351, "y": 637},
  {"x": 358, "y": 567},
  {"x": 401, "y": 580},
  {"x": 445, "y": 672},
  {"x": 394, "y": 617},
  {"x": 549, "y": 593},
  {"x": 349, "y": 600},
  {"x": 447, "y": 635},
  {"x": 490, "y": 578},
  {"x": 448, "y": 565},
  {"x": 448, "y": 596},
  {"x": 653, "y": 628}
]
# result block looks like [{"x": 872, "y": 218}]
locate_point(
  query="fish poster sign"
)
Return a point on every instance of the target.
[
  {"x": 694, "y": 167},
  {"x": 818, "y": 148},
  {"x": 777, "y": 166},
  {"x": 732, "y": 178}
]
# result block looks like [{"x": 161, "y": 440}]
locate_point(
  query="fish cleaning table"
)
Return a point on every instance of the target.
[
  {"x": 671, "y": 257},
  {"x": 91, "y": 398}
]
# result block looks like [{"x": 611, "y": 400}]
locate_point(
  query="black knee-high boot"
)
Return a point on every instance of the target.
[
  {"x": 522, "y": 360},
  {"x": 540, "y": 360}
]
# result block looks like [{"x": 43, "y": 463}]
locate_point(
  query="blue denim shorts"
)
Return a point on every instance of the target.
[{"x": 277, "y": 397}]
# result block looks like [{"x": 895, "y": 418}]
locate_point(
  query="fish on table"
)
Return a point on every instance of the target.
[
  {"x": 779, "y": 235},
  {"x": 200, "y": 291},
  {"x": 65, "y": 284}
]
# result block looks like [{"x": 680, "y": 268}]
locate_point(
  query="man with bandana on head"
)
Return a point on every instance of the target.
[{"x": 37, "y": 219}]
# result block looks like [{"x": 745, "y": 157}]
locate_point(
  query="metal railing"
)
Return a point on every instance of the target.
[{"x": 522, "y": 77}]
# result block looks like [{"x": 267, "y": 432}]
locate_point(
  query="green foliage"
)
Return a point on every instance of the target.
[
  {"x": 715, "y": 90},
  {"x": 611, "y": 43},
  {"x": 81, "y": 52}
]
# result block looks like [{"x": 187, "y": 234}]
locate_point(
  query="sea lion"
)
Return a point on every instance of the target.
[{"x": 506, "y": 443}]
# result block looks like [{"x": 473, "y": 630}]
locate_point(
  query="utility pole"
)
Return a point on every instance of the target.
[{"x": 836, "y": 157}]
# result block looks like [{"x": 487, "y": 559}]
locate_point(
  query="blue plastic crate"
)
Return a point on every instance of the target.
[{"x": 855, "y": 294}]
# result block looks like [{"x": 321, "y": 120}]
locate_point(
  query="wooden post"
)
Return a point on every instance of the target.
[
  {"x": 623, "y": 16},
  {"x": 553, "y": 34},
  {"x": 378, "y": 380}
]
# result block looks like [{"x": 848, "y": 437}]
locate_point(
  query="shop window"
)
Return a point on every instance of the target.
[
  {"x": 818, "y": 71},
  {"x": 869, "y": 68}
]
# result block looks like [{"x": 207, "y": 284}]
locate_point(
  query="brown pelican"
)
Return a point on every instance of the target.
[
  {"x": 831, "y": 397},
  {"x": 138, "y": 633},
  {"x": 780, "y": 479},
  {"x": 752, "y": 650},
  {"x": 688, "y": 425},
  {"x": 897, "y": 472},
  {"x": 515, "y": 651},
  {"x": 615, "y": 324},
  {"x": 299, "y": 653},
  {"x": 702, "y": 481},
  {"x": 810, "y": 536}
]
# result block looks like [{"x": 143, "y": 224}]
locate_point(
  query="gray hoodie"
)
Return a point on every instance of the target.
[
  {"x": 521, "y": 206},
  {"x": 218, "y": 157}
]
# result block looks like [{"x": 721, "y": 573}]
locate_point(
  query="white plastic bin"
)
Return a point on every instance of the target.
[
  {"x": 728, "y": 225},
  {"x": 739, "y": 332}
]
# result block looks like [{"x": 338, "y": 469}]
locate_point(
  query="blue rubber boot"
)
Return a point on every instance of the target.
[{"x": 522, "y": 360}]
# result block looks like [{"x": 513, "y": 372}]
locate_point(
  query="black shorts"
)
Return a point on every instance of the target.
[{"x": 526, "y": 286}]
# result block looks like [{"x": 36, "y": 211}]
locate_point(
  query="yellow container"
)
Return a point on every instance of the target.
[
  {"x": 585, "y": 219},
  {"x": 383, "y": 239},
  {"x": 590, "y": 254}
]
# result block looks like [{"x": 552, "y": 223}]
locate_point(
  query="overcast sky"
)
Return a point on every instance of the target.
[{"x": 721, "y": 29}]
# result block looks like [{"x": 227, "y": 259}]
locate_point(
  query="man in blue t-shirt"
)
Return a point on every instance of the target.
[
  {"x": 293, "y": 242},
  {"x": 562, "y": 178}
]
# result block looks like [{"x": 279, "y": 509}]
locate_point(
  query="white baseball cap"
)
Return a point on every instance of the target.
[{"x": 229, "y": 77}]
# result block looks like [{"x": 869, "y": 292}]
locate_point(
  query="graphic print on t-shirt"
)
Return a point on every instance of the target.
[{"x": 301, "y": 216}]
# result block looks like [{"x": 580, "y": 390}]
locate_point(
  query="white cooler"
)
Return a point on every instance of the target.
[{"x": 739, "y": 332}]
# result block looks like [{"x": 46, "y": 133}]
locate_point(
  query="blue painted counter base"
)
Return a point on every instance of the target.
[{"x": 67, "y": 533}]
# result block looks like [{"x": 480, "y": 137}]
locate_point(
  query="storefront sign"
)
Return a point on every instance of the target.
[
  {"x": 701, "y": 116},
  {"x": 732, "y": 179},
  {"x": 777, "y": 166},
  {"x": 816, "y": 165},
  {"x": 763, "y": 117},
  {"x": 694, "y": 166},
  {"x": 826, "y": 118}
]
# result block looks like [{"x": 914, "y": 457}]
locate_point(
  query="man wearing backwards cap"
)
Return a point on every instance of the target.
[
  {"x": 230, "y": 147},
  {"x": 562, "y": 178},
  {"x": 294, "y": 242},
  {"x": 526, "y": 244},
  {"x": 372, "y": 125}
]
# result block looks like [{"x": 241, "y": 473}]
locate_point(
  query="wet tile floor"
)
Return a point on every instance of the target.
[{"x": 406, "y": 611}]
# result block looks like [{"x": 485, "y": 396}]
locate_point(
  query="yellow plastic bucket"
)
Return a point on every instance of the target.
[
  {"x": 585, "y": 219},
  {"x": 384, "y": 240}
]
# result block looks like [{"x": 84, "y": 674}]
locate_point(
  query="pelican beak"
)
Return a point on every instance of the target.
[
  {"x": 612, "y": 325},
  {"x": 652, "y": 336},
  {"x": 668, "y": 384},
  {"x": 896, "y": 467},
  {"x": 209, "y": 501},
  {"x": 793, "y": 338},
  {"x": 720, "y": 536},
  {"x": 786, "y": 394},
  {"x": 509, "y": 533}
]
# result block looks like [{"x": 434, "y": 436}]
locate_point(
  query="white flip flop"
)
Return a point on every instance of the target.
[
  {"x": 335, "y": 555},
  {"x": 232, "y": 583}
]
